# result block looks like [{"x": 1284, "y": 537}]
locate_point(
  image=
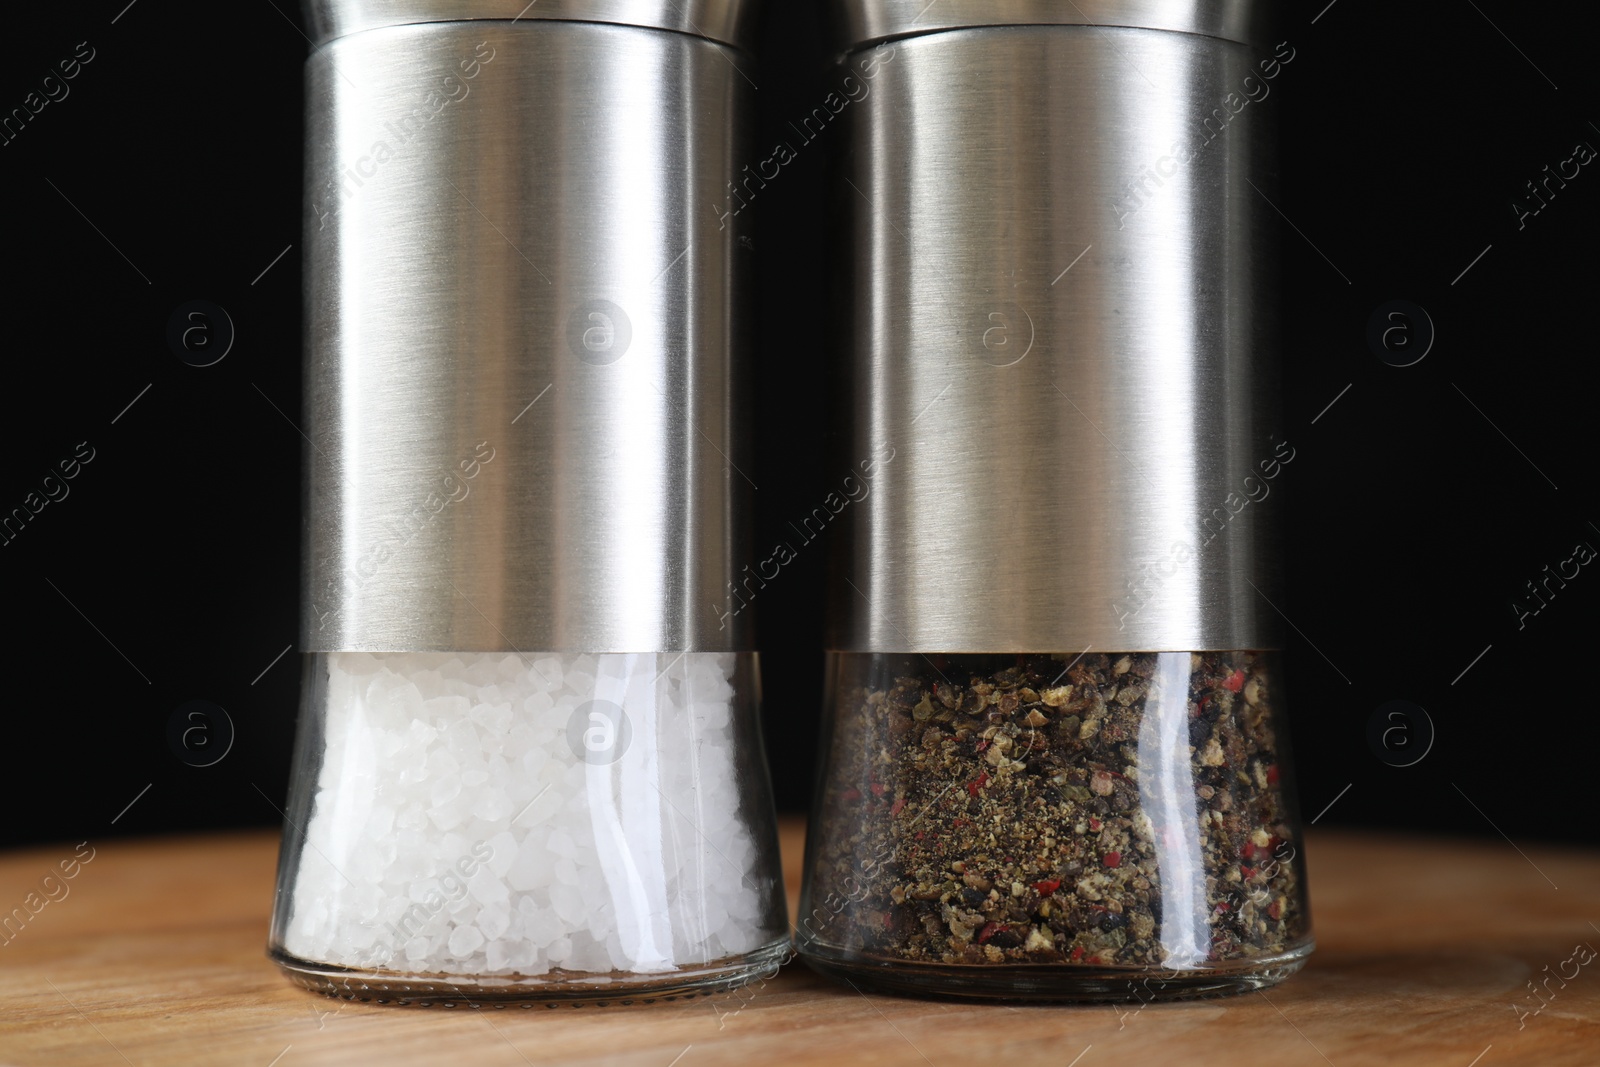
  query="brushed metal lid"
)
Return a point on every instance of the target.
[
  {"x": 723, "y": 21},
  {"x": 525, "y": 342},
  {"x": 870, "y": 21},
  {"x": 1061, "y": 347}
]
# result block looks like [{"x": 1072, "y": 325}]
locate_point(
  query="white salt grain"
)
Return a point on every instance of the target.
[
  {"x": 464, "y": 939},
  {"x": 455, "y": 829}
]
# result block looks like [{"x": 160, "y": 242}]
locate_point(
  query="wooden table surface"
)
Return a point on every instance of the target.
[{"x": 156, "y": 956}]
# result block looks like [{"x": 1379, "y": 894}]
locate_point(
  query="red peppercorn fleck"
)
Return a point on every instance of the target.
[
  {"x": 988, "y": 931},
  {"x": 1113, "y": 859},
  {"x": 1252, "y": 851},
  {"x": 894, "y": 809},
  {"x": 851, "y": 794},
  {"x": 1272, "y": 774},
  {"x": 878, "y": 789},
  {"x": 1047, "y": 886},
  {"x": 1234, "y": 682},
  {"x": 978, "y": 783},
  {"x": 1275, "y": 910},
  {"x": 1094, "y": 823},
  {"x": 1077, "y": 953}
]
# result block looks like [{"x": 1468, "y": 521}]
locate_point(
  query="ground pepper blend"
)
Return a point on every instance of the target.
[{"x": 1039, "y": 814}]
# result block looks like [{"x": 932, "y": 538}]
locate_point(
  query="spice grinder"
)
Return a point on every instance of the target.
[
  {"x": 528, "y": 766},
  {"x": 1055, "y": 762}
]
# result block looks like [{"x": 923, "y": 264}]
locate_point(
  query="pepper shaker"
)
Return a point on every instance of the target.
[
  {"x": 528, "y": 766},
  {"x": 1055, "y": 761}
]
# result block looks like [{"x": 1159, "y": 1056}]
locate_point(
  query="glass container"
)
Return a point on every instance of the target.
[
  {"x": 494, "y": 826},
  {"x": 1094, "y": 826}
]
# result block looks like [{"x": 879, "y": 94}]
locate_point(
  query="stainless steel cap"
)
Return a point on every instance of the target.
[
  {"x": 524, "y": 340},
  {"x": 867, "y": 21},
  {"x": 1061, "y": 344},
  {"x": 724, "y": 21}
]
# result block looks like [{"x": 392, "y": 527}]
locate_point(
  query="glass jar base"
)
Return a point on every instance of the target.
[
  {"x": 1040, "y": 983},
  {"x": 552, "y": 990}
]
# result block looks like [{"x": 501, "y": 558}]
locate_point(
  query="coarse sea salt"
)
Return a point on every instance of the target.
[{"x": 506, "y": 814}]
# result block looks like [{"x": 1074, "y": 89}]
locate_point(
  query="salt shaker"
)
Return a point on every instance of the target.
[
  {"x": 1055, "y": 760},
  {"x": 528, "y": 766}
]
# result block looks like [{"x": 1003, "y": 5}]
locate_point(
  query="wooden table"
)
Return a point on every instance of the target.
[{"x": 156, "y": 957}]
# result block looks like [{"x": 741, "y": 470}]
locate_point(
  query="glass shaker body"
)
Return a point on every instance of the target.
[
  {"x": 552, "y": 827},
  {"x": 1094, "y": 826}
]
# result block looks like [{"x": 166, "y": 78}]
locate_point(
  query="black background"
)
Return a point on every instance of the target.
[{"x": 1417, "y": 507}]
